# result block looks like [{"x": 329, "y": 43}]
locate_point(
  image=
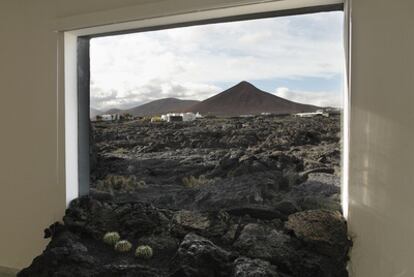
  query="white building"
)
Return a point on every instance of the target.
[
  {"x": 198, "y": 115},
  {"x": 186, "y": 117},
  {"x": 189, "y": 116},
  {"x": 108, "y": 117},
  {"x": 312, "y": 114},
  {"x": 172, "y": 117}
]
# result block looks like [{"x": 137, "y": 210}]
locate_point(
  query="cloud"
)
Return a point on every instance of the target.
[
  {"x": 100, "y": 98},
  {"x": 191, "y": 61},
  {"x": 319, "y": 98},
  {"x": 153, "y": 90}
]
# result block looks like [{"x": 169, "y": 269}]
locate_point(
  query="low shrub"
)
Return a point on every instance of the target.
[
  {"x": 144, "y": 252},
  {"x": 193, "y": 182},
  {"x": 123, "y": 246},
  {"x": 111, "y": 238},
  {"x": 119, "y": 183}
]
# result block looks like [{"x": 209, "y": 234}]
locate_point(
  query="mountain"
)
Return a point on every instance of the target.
[
  {"x": 114, "y": 111},
  {"x": 161, "y": 106},
  {"x": 246, "y": 99}
]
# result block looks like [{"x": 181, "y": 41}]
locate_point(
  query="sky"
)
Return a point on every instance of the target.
[{"x": 300, "y": 58}]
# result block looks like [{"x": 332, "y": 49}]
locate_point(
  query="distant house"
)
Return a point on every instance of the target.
[
  {"x": 198, "y": 115},
  {"x": 107, "y": 117},
  {"x": 177, "y": 117},
  {"x": 172, "y": 117},
  {"x": 312, "y": 114},
  {"x": 188, "y": 116}
]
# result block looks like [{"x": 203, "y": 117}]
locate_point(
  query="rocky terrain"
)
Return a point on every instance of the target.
[{"x": 219, "y": 197}]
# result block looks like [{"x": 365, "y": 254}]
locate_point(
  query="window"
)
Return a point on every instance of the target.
[
  {"x": 77, "y": 73},
  {"x": 241, "y": 102},
  {"x": 234, "y": 119}
]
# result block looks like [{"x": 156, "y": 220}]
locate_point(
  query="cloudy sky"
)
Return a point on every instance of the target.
[{"x": 297, "y": 57}]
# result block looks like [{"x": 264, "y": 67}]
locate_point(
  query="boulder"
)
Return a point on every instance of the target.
[
  {"x": 259, "y": 241},
  {"x": 200, "y": 257},
  {"x": 191, "y": 220},
  {"x": 65, "y": 256},
  {"x": 94, "y": 218},
  {"x": 323, "y": 230},
  {"x": 245, "y": 267},
  {"x": 209, "y": 224}
]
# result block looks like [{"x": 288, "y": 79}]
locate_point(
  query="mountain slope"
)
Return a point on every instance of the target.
[
  {"x": 161, "y": 106},
  {"x": 114, "y": 111},
  {"x": 244, "y": 99}
]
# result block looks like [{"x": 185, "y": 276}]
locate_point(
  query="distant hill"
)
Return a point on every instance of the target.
[
  {"x": 241, "y": 99},
  {"x": 246, "y": 99},
  {"x": 113, "y": 111},
  {"x": 158, "y": 107}
]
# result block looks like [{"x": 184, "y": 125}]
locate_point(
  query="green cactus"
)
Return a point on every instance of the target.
[
  {"x": 119, "y": 183},
  {"x": 123, "y": 246},
  {"x": 144, "y": 252},
  {"x": 193, "y": 182},
  {"x": 111, "y": 238}
]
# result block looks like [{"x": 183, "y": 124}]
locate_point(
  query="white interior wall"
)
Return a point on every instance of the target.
[
  {"x": 31, "y": 191},
  {"x": 382, "y": 138},
  {"x": 32, "y": 180}
]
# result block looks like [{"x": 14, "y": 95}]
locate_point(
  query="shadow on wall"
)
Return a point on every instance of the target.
[{"x": 7, "y": 272}]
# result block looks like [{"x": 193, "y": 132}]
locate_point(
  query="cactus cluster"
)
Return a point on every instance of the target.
[
  {"x": 144, "y": 252},
  {"x": 123, "y": 246},
  {"x": 111, "y": 238},
  {"x": 119, "y": 183},
  {"x": 193, "y": 182}
]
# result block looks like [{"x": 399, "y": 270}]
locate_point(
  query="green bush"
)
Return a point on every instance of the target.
[
  {"x": 123, "y": 246},
  {"x": 193, "y": 182},
  {"x": 119, "y": 183},
  {"x": 144, "y": 252},
  {"x": 111, "y": 238}
]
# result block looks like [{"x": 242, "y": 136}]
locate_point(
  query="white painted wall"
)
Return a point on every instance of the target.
[
  {"x": 381, "y": 212},
  {"x": 31, "y": 186},
  {"x": 32, "y": 179}
]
